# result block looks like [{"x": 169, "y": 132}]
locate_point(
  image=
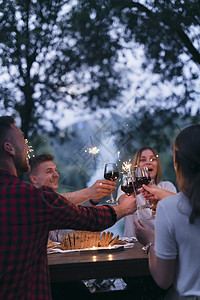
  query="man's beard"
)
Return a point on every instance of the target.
[
  {"x": 22, "y": 167},
  {"x": 23, "y": 170}
]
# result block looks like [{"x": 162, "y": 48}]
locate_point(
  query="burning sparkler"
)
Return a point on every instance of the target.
[
  {"x": 118, "y": 154},
  {"x": 30, "y": 151},
  {"x": 126, "y": 166},
  {"x": 93, "y": 150}
]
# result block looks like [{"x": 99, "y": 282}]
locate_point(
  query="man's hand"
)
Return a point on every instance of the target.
[
  {"x": 144, "y": 233},
  {"x": 126, "y": 207},
  {"x": 100, "y": 189}
]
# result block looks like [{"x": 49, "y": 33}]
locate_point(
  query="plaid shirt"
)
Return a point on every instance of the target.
[{"x": 26, "y": 216}]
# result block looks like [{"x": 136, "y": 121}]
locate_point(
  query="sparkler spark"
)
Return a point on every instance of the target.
[
  {"x": 31, "y": 150},
  {"x": 93, "y": 150},
  {"x": 118, "y": 153},
  {"x": 126, "y": 166}
]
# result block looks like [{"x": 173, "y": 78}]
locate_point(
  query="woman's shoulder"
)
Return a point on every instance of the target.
[
  {"x": 167, "y": 185},
  {"x": 176, "y": 201}
]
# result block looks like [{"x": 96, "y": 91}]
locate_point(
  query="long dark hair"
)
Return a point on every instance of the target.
[{"x": 187, "y": 165}]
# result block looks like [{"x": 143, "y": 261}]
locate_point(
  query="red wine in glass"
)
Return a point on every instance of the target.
[
  {"x": 128, "y": 189},
  {"x": 111, "y": 176},
  {"x": 142, "y": 180},
  {"x": 127, "y": 185},
  {"x": 111, "y": 172},
  {"x": 141, "y": 177}
]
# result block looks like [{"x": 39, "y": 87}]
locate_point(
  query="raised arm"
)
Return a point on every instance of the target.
[
  {"x": 152, "y": 192},
  {"x": 98, "y": 190},
  {"x": 126, "y": 207}
]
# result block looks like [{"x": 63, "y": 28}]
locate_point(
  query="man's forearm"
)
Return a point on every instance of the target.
[
  {"x": 123, "y": 210},
  {"x": 77, "y": 197}
]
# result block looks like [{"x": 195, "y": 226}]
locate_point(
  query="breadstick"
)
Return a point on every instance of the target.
[
  {"x": 77, "y": 240},
  {"x": 72, "y": 239},
  {"x": 109, "y": 238},
  {"x": 65, "y": 241},
  {"x": 114, "y": 240},
  {"x": 102, "y": 240}
]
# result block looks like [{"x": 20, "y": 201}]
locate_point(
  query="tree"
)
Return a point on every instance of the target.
[
  {"x": 44, "y": 63},
  {"x": 168, "y": 32},
  {"x": 26, "y": 41},
  {"x": 76, "y": 52}
]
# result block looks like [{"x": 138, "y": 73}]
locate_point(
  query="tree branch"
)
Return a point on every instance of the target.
[{"x": 188, "y": 44}]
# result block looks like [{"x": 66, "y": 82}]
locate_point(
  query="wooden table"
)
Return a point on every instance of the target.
[{"x": 82, "y": 266}]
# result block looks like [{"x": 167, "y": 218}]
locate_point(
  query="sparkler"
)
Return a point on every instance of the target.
[
  {"x": 118, "y": 153},
  {"x": 30, "y": 151},
  {"x": 93, "y": 150},
  {"x": 126, "y": 166}
]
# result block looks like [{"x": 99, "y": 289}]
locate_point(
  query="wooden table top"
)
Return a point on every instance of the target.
[{"x": 82, "y": 266}]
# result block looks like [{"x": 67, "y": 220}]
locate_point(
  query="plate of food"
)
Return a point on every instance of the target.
[{"x": 87, "y": 241}]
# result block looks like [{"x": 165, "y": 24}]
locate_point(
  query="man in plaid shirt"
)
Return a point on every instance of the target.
[
  {"x": 26, "y": 216},
  {"x": 44, "y": 172}
]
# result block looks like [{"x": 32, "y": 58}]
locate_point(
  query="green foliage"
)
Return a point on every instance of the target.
[
  {"x": 28, "y": 37},
  {"x": 48, "y": 60},
  {"x": 167, "y": 30}
]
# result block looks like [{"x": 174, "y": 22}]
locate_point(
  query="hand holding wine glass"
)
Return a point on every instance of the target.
[
  {"x": 141, "y": 177},
  {"x": 154, "y": 193},
  {"x": 111, "y": 172},
  {"x": 151, "y": 202},
  {"x": 127, "y": 185}
]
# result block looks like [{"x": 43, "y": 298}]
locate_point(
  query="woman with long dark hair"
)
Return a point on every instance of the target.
[{"x": 174, "y": 260}]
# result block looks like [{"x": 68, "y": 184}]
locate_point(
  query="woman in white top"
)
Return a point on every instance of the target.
[
  {"x": 175, "y": 259},
  {"x": 145, "y": 157}
]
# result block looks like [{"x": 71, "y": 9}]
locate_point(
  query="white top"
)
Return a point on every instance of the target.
[
  {"x": 143, "y": 214},
  {"x": 177, "y": 239}
]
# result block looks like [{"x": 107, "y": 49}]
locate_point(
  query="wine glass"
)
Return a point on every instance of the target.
[
  {"x": 127, "y": 185},
  {"x": 111, "y": 172},
  {"x": 141, "y": 177},
  {"x": 151, "y": 205}
]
